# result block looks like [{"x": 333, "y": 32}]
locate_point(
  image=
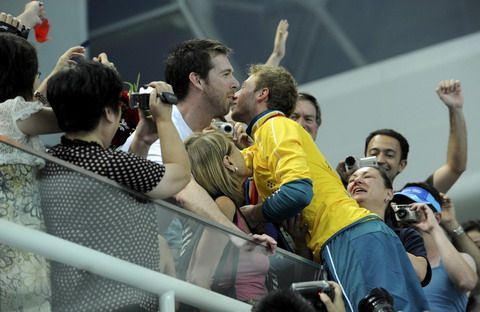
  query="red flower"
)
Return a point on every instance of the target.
[{"x": 128, "y": 121}]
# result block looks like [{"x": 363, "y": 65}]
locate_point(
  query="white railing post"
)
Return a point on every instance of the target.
[{"x": 167, "y": 302}]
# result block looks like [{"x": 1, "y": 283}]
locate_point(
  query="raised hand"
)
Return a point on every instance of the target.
[
  {"x": 66, "y": 58},
  {"x": 103, "y": 58},
  {"x": 427, "y": 218},
  {"x": 450, "y": 92},
  {"x": 449, "y": 219},
  {"x": 33, "y": 14},
  {"x": 240, "y": 137},
  {"x": 160, "y": 111},
  {"x": 281, "y": 38},
  {"x": 279, "y": 44}
]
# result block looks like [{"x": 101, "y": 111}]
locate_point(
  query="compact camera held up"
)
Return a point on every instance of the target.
[
  {"x": 352, "y": 163},
  {"x": 224, "y": 127},
  {"x": 404, "y": 215},
  {"x": 141, "y": 99},
  {"x": 310, "y": 290}
]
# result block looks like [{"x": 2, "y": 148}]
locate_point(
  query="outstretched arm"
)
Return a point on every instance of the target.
[
  {"x": 450, "y": 92},
  {"x": 279, "y": 44},
  {"x": 45, "y": 121},
  {"x": 195, "y": 199},
  {"x": 175, "y": 157},
  {"x": 33, "y": 14}
]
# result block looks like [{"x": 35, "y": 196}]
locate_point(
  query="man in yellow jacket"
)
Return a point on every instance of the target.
[{"x": 293, "y": 176}]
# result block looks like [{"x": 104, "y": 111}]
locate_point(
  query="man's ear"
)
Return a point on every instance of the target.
[
  {"x": 403, "y": 164},
  {"x": 263, "y": 94},
  {"x": 196, "y": 80}
]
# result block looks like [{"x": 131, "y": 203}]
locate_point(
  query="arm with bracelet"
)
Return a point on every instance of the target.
[{"x": 461, "y": 241}]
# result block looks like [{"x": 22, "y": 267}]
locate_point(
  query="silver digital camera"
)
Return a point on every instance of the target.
[
  {"x": 353, "y": 163},
  {"x": 404, "y": 215},
  {"x": 310, "y": 290},
  {"x": 224, "y": 127}
]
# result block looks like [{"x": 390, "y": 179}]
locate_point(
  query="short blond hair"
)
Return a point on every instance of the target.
[
  {"x": 282, "y": 87},
  {"x": 206, "y": 152}
]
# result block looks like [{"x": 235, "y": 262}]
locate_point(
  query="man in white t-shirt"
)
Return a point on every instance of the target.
[{"x": 201, "y": 76}]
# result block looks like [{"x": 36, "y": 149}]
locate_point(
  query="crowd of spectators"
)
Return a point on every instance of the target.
[{"x": 266, "y": 177}]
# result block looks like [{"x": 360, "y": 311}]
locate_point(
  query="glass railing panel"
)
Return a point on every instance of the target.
[{"x": 90, "y": 210}]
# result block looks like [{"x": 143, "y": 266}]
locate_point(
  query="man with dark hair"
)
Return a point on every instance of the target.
[
  {"x": 453, "y": 272},
  {"x": 201, "y": 76},
  {"x": 202, "y": 79},
  {"x": 391, "y": 148},
  {"x": 293, "y": 176},
  {"x": 307, "y": 113}
]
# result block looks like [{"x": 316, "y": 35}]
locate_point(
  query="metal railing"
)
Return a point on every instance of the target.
[
  {"x": 78, "y": 256},
  {"x": 285, "y": 267}
]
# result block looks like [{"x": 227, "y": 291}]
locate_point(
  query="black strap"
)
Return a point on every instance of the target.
[
  {"x": 228, "y": 263},
  {"x": 4, "y": 27}
]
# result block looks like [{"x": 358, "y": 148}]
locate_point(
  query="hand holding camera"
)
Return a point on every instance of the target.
[
  {"x": 224, "y": 127},
  {"x": 353, "y": 163},
  {"x": 348, "y": 166},
  {"x": 155, "y": 100},
  {"x": 427, "y": 221},
  {"x": 311, "y": 292},
  {"x": 405, "y": 215}
]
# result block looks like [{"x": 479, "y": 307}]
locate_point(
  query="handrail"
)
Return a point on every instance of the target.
[{"x": 84, "y": 258}]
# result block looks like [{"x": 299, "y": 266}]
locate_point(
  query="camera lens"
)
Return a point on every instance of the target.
[
  {"x": 227, "y": 128},
  {"x": 350, "y": 161},
  {"x": 378, "y": 300},
  {"x": 401, "y": 213}
]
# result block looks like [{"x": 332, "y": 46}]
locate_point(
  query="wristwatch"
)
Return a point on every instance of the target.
[
  {"x": 41, "y": 98},
  {"x": 458, "y": 230}
]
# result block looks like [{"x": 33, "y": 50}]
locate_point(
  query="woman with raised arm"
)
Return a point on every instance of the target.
[
  {"x": 23, "y": 117},
  {"x": 86, "y": 100}
]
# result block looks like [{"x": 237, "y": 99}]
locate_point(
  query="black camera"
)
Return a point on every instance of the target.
[
  {"x": 404, "y": 215},
  {"x": 377, "y": 300},
  {"x": 310, "y": 290},
  {"x": 141, "y": 99},
  {"x": 353, "y": 163}
]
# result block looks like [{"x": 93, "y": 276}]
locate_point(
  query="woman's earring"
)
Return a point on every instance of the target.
[{"x": 235, "y": 169}]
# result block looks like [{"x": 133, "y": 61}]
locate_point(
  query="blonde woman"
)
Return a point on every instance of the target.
[{"x": 218, "y": 166}]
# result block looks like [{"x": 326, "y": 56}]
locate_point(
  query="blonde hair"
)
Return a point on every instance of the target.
[{"x": 206, "y": 152}]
